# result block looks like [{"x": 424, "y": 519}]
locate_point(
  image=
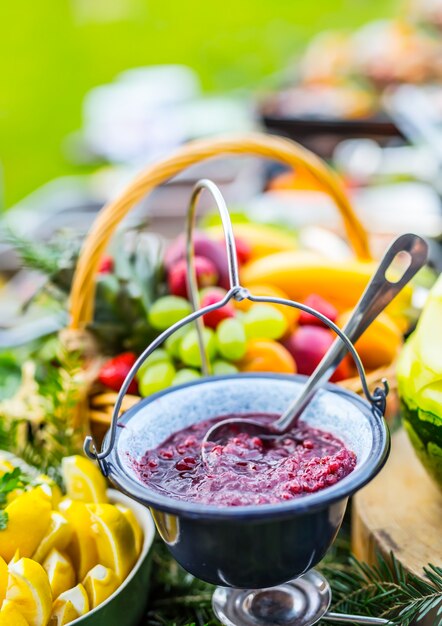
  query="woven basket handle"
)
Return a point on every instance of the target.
[{"x": 268, "y": 146}]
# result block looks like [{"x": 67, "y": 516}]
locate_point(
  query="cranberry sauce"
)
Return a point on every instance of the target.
[{"x": 245, "y": 470}]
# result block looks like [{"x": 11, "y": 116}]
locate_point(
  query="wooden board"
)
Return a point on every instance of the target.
[{"x": 399, "y": 511}]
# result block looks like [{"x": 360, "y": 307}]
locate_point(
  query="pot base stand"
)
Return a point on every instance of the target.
[{"x": 300, "y": 602}]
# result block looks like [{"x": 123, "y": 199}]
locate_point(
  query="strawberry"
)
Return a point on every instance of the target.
[
  {"x": 322, "y": 306},
  {"x": 113, "y": 373},
  {"x": 106, "y": 265},
  {"x": 210, "y": 296}
]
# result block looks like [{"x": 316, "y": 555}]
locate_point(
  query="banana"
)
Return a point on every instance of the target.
[
  {"x": 262, "y": 238},
  {"x": 300, "y": 274}
]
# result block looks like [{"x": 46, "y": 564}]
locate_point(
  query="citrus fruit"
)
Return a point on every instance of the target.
[
  {"x": 100, "y": 583},
  {"x": 70, "y": 605},
  {"x": 60, "y": 572},
  {"x": 58, "y": 535},
  {"x": 114, "y": 538},
  {"x": 83, "y": 480},
  {"x": 4, "y": 575},
  {"x": 29, "y": 516},
  {"x": 131, "y": 518},
  {"x": 265, "y": 355},
  {"x": 29, "y": 591},
  {"x": 10, "y": 616},
  {"x": 82, "y": 548}
]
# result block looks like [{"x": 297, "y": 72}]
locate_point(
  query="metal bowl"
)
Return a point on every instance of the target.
[{"x": 248, "y": 546}]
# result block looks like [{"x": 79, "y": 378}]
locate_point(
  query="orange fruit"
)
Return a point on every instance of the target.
[{"x": 264, "y": 355}]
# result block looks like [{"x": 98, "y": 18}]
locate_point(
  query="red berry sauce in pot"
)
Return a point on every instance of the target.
[{"x": 245, "y": 470}]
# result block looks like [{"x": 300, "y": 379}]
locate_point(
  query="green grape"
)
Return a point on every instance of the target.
[
  {"x": 223, "y": 368},
  {"x": 186, "y": 375},
  {"x": 264, "y": 321},
  {"x": 231, "y": 339},
  {"x": 189, "y": 347},
  {"x": 172, "y": 343},
  {"x": 157, "y": 377},
  {"x": 157, "y": 356},
  {"x": 167, "y": 311}
]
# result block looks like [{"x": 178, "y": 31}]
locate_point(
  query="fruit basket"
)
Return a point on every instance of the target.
[{"x": 285, "y": 271}]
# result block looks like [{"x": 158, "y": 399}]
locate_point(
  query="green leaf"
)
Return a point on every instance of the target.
[{"x": 4, "y": 518}]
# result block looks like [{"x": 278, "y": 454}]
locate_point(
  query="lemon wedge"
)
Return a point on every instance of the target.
[
  {"x": 60, "y": 572},
  {"x": 9, "y": 616},
  {"x": 56, "y": 494},
  {"x": 4, "y": 575},
  {"x": 29, "y": 591},
  {"x": 114, "y": 538},
  {"x": 138, "y": 531},
  {"x": 58, "y": 535},
  {"x": 100, "y": 583},
  {"x": 83, "y": 480},
  {"x": 70, "y": 605},
  {"x": 28, "y": 519},
  {"x": 82, "y": 548}
]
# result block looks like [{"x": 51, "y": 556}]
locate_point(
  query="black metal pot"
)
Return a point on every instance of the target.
[{"x": 248, "y": 546}]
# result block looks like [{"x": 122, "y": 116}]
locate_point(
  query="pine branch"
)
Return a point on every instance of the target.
[{"x": 385, "y": 590}]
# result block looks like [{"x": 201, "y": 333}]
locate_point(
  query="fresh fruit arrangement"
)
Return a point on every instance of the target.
[
  {"x": 257, "y": 337},
  {"x": 419, "y": 373},
  {"x": 61, "y": 555}
]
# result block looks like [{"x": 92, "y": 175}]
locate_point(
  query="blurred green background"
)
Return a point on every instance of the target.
[{"x": 53, "y": 51}]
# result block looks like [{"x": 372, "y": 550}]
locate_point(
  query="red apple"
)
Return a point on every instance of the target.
[
  {"x": 210, "y": 296},
  {"x": 322, "y": 306},
  {"x": 203, "y": 246},
  {"x": 308, "y": 344},
  {"x": 206, "y": 275}
]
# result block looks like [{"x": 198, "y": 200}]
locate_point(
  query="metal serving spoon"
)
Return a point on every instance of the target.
[{"x": 378, "y": 294}]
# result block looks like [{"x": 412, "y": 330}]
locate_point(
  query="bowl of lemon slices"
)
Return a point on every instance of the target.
[{"x": 82, "y": 557}]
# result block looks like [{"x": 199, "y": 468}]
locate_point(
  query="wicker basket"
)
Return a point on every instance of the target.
[{"x": 97, "y": 409}]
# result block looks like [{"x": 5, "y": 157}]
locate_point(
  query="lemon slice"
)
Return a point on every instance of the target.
[
  {"x": 58, "y": 535},
  {"x": 9, "y": 616},
  {"x": 114, "y": 538},
  {"x": 4, "y": 575},
  {"x": 29, "y": 591},
  {"x": 82, "y": 548},
  {"x": 83, "y": 480},
  {"x": 69, "y": 605},
  {"x": 28, "y": 519},
  {"x": 100, "y": 583},
  {"x": 60, "y": 572},
  {"x": 138, "y": 531},
  {"x": 56, "y": 494}
]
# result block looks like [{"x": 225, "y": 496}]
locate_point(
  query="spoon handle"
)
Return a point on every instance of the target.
[{"x": 377, "y": 295}]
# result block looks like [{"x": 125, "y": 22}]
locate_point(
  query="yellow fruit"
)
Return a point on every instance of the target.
[
  {"x": 60, "y": 572},
  {"x": 138, "y": 531},
  {"x": 114, "y": 537},
  {"x": 263, "y": 239},
  {"x": 70, "y": 605},
  {"x": 381, "y": 342},
  {"x": 83, "y": 480},
  {"x": 56, "y": 494},
  {"x": 29, "y": 516},
  {"x": 4, "y": 575},
  {"x": 58, "y": 535},
  {"x": 300, "y": 274},
  {"x": 82, "y": 548},
  {"x": 29, "y": 591},
  {"x": 100, "y": 583},
  {"x": 10, "y": 616},
  {"x": 5, "y": 466}
]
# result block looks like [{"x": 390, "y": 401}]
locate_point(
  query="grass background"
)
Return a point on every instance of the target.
[{"x": 53, "y": 51}]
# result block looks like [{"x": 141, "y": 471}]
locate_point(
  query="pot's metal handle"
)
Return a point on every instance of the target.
[{"x": 236, "y": 292}]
